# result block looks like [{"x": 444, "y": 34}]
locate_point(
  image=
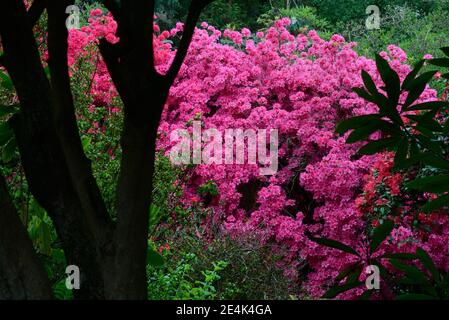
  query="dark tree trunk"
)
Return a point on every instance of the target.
[{"x": 111, "y": 257}]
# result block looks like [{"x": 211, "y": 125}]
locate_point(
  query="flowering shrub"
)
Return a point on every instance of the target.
[{"x": 300, "y": 85}]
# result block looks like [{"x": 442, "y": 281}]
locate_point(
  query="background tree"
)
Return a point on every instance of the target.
[{"x": 110, "y": 254}]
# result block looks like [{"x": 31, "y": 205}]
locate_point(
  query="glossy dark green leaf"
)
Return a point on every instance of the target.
[
  {"x": 440, "y": 62},
  {"x": 400, "y": 256},
  {"x": 6, "y": 133},
  {"x": 380, "y": 234},
  {"x": 428, "y": 264},
  {"x": 8, "y": 110},
  {"x": 412, "y": 273},
  {"x": 433, "y": 184},
  {"x": 434, "y": 161},
  {"x": 391, "y": 80},
  {"x": 417, "y": 87},
  {"x": 335, "y": 291},
  {"x": 414, "y": 296},
  {"x": 366, "y": 295},
  {"x": 429, "y": 105},
  {"x": 369, "y": 83},
  {"x": 355, "y": 122},
  {"x": 5, "y": 81},
  {"x": 9, "y": 150},
  {"x": 334, "y": 244},
  {"x": 436, "y": 204},
  {"x": 412, "y": 75},
  {"x": 347, "y": 271},
  {"x": 378, "y": 146},
  {"x": 154, "y": 259},
  {"x": 445, "y": 50}
]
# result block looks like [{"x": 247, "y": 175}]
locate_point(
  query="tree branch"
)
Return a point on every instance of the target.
[
  {"x": 35, "y": 11},
  {"x": 40, "y": 149},
  {"x": 196, "y": 7},
  {"x": 66, "y": 125},
  {"x": 22, "y": 275}
]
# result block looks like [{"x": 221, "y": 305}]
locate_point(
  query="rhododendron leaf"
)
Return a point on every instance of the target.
[
  {"x": 391, "y": 80},
  {"x": 377, "y": 146},
  {"x": 440, "y": 62},
  {"x": 400, "y": 256},
  {"x": 414, "y": 296},
  {"x": 9, "y": 150},
  {"x": 362, "y": 133},
  {"x": 154, "y": 258},
  {"x": 413, "y": 274},
  {"x": 366, "y": 295},
  {"x": 364, "y": 94},
  {"x": 434, "y": 161},
  {"x": 429, "y": 105},
  {"x": 335, "y": 291},
  {"x": 428, "y": 263},
  {"x": 417, "y": 87},
  {"x": 373, "y": 126},
  {"x": 445, "y": 50},
  {"x": 5, "y": 81},
  {"x": 400, "y": 159},
  {"x": 347, "y": 271},
  {"x": 433, "y": 184},
  {"x": 355, "y": 122},
  {"x": 8, "y": 110},
  {"x": 380, "y": 234},
  {"x": 334, "y": 244},
  {"x": 436, "y": 204},
  {"x": 369, "y": 83},
  {"x": 412, "y": 75},
  {"x": 429, "y": 143}
]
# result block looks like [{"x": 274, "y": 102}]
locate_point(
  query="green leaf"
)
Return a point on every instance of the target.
[
  {"x": 154, "y": 259},
  {"x": 445, "y": 50},
  {"x": 391, "y": 80},
  {"x": 440, "y": 62},
  {"x": 434, "y": 161},
  {"x": 429, "y": 105},
  {"x": 355, "y": 122},
  {"x": 428, "y": 263},
  {"x": 366, "y": 295},
  {"x": 433, "y": 184},
  {"x": 417, "y": 87},
  {"x": 5, "y": 81},
  {"x": 334, "y": 244},
  {"x": 6, "y": 133},
  {"x": 414, "y": 274},
  {"x": 369, "y": 83},
  {"x": 414, "y": 296},
  {"x": 364, "y": 94},
  {"x": 436, "y": 204},
  {"x": 400, "y": 256},
  {"x": 412, "y": 75},
  {"x": 9, "y": 150},
  {"x": 335, "y": 291},
  {"x": 362, "y": 133},
  {"x": 400, "y": 159},
  {"x": 8, "y": 110},
  {"x": 380, "y": 234},
  {"x": 378, "y": 146},
  {"x": 352, "y": 268}
]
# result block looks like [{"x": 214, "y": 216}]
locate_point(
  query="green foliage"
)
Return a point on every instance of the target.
[
  {"x": 350, "y": 275},
  {"x": 419, "y": 142}
]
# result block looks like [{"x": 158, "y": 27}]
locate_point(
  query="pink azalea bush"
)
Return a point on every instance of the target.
[{"x": 300, "y": 85}]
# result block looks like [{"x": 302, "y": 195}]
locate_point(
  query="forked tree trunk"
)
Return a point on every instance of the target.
[{"x": 111, "y": 255}]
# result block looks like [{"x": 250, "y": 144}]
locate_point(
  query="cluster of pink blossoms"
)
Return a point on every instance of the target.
[{"x": 300, "y": 85}]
